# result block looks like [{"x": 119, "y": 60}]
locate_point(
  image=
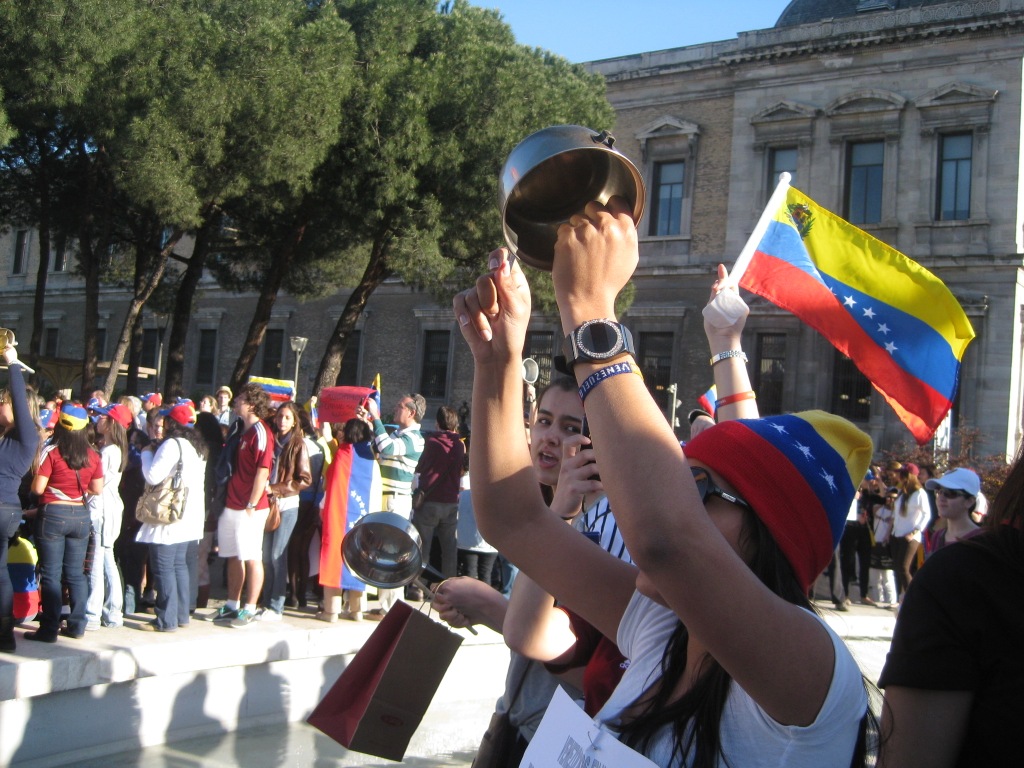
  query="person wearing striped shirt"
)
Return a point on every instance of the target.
[{"x": 399, "y": 452}]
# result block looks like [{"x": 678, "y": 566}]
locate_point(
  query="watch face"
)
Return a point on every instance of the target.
[{"x": 600, "y": 339}]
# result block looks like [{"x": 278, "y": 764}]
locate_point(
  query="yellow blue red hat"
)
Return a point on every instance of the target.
[
  {"x": 799, "y": 473},
  {"x": 73, "y": 417}
]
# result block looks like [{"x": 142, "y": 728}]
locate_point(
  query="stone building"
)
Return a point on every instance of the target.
[{"x": 903, "y": 116}]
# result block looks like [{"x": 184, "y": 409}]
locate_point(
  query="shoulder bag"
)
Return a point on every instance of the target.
[{"x": 164, "y": 502}]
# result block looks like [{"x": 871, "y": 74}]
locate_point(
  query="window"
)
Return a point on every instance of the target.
[
  {"x": 955, "y": 177},
  {"x": 781, "y": 160},
  {"x": 348, "y": 376},
  {"x": 655, "y": 353},
  {"x": 22, "y": 241},
  {"x": 434, "y": 378},
  {"x": 150, "y": 347},
  {"x": 851, "y": 391},
  {"x": 864, "y": 182},
  {"x": 769, "y": 372},
  {"x": 273, "y": 353},
  {"x": 666, "y": 217},
  {"x": 60, "y": 254},
  {"x": 50, "y": 342},
  {"x": 538, "y": 346},
  {"x": 206, "y": 362}
]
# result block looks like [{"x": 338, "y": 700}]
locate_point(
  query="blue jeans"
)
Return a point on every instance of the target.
[
  {"x": 62, "y": 539},
  {"x": 441, "y": 519},
  {"x": 168, "y": 564},
  {"x": 275, "y": 561},
  {"x": 9, "y": 516}
]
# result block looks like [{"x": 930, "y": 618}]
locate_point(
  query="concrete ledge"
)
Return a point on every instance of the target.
[{"x": 123, "y": 689}]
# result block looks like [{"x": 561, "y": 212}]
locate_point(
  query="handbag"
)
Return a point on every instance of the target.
[
  {"x": 274, "y": 516},
  {"x": 419, "y": 498},
  {"x": 380, "y": 699},
  {"x": 163, "y": 503}
]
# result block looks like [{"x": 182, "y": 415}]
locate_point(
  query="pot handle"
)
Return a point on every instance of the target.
[{"x": 604, "y": 137}]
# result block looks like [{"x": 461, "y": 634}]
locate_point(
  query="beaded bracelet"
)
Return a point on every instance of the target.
[
  {"x": 727, "y": 354},
  {"x": 739, "y": 397},
  {"x": 604, "y": 373}
]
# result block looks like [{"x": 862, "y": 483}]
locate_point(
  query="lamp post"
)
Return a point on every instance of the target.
[{"x": 298, "y": 345}]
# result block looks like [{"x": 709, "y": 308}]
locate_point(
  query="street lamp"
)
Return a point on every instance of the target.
[{"x": 298, "y": 345}]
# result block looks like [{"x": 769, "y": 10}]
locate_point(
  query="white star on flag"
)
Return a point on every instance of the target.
[
  {"x": 779, "y": 428},
  {"x": 883, "y": 328},
  {"x": 848, "y": 301},
  {"x": 805, "y": 450},
  {"x": 890, "y": 347},
  {"x": 829, "y": 479},
  {"x": 869, "y": 313}
]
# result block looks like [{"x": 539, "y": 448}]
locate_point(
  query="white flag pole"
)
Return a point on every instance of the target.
[{"x": 743, "y": 260}]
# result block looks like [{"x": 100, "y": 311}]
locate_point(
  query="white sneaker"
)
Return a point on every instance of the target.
[{"x": 266, "y": 614}]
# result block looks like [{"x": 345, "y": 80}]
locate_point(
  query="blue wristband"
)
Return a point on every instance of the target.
[{"x": 605, "y": 373}]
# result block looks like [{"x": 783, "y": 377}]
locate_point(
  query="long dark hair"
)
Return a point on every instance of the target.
[
  {"x": 703, "y": 705},
  {"x": 73, "y": 446},
  {"x": 174, "y": 429}
]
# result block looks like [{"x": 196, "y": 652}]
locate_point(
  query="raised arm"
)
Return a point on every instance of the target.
[
  {"x": 777, "y": 652},
  {"x": 510, "y": 510},
  {"x": 724, "y": 318}
]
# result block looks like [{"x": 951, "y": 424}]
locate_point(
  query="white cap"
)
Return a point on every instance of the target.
[{"x": 959, "y": 479}]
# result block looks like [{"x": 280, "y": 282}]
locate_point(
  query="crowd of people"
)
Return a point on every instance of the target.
[
  {"x": 689, "y": 632},
  {"x": 264, "y": 488}
]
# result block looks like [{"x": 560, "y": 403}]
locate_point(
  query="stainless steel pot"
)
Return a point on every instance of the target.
[
  {"x": 384, "y": 550},
  {"x": 551, "y": 175}
]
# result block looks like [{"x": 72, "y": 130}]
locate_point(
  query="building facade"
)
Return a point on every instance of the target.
[{"x": 905, "y": 120}]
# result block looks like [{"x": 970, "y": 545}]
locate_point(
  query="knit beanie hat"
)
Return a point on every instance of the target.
[
  {"x": 799, "y": 472},
  {"x": 73, "y": 417}
]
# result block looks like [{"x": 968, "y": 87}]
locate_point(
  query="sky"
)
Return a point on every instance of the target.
[{"x": 601, "y": 29}]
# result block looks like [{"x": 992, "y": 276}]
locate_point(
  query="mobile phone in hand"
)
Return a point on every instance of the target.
[{"x": 588, "y": 446}]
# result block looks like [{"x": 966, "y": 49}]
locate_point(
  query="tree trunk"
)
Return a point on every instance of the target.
[
  {"x": 35, "y": 346},
  {"x": 134, "y": 356},
  {"x": 147, "y": 277},
  {"x": 376, "y": 272},
  {"x": 278, "y": 268},
  {"x": 175, "y": 372}
]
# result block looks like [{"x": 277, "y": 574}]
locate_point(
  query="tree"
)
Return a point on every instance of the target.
[{"x": 443, "y": 95}]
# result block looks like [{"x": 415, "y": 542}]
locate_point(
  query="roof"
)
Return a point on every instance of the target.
[{"x": 812, "y": 11}]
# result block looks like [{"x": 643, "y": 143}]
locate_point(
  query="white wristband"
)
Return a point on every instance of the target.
[{"x": 727, "y": 354}]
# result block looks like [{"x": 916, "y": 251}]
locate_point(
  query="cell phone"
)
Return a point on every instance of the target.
[{"x": 586, "y": 433}]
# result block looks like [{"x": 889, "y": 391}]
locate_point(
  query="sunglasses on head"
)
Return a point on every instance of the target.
[
  {"x": 706, "y": 487},
  {"x": 950, "y": 493}
]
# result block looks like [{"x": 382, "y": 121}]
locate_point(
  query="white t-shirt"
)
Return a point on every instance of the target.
[{"x": 749, "y": 737}]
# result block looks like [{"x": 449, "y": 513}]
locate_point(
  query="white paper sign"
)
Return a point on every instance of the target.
[{"x": 568, "y": 738}]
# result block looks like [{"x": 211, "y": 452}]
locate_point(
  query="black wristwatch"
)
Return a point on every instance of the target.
[{"x": 594, "y": 342}]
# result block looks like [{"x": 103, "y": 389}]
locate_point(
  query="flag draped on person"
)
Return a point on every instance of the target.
[{"x": 898, "y": 323}]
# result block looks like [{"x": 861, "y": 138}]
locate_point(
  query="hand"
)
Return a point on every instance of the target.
[
  {"x": 596, "y": 254},
  {"x": 10, "y": 354},
  {"x": 575, "y": 475},
  {"x": 494, "y": 314},
  {"x": 369, "y": 411},
  {"x": 725, "y": 314},
  {"x": 699, "y": 424},
  {"x": 463, "y": 601}
]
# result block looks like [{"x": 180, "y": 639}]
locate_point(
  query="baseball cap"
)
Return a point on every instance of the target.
[
  {"x": 153, "y": 397},
  {"x": 183, "y": 413},
  {"x": 958, "y": 479},
  {"x": 119, "y": 413}
]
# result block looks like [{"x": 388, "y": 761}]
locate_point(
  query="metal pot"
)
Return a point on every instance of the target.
[
  {"x": 551, "y": 175},
  {"x": 384, "y": 550}
]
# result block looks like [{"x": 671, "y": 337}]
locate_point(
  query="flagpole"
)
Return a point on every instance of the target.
[{"x": 743, "y": 260}]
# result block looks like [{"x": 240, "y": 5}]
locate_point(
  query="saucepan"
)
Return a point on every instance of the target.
[{"x": 553, "y": 174}]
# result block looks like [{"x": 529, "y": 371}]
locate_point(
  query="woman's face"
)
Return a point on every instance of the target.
[
  {"x": 103, "y": 425},
  {"x": 953, "y": 505},
  {"x": 155, "y": 426},
  {"x": 285, "y": 420},
  {"x": 6, "y": 410},
  {"x": 559, "y": 415}
]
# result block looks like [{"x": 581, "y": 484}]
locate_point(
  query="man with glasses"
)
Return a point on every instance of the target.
[{"x": 397, "y": 454}]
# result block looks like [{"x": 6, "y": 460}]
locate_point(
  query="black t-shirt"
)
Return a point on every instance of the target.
[{"x": 961, "y": 628}]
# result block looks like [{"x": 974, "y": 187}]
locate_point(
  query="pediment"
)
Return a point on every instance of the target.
[
  {"x": 783, "y": 111},
  {"x": 866, "y": 100},
  {"x": 955, "y": 94},
  {"x": 666, "y": 126}
]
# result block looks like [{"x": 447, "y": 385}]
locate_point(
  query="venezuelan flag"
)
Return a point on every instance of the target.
[
  {"x": 897, "y": 321},
  {"x": 279, "y": 390},
  {"x": 708, "y": 400},
  {"x": 21, "y": 565}
]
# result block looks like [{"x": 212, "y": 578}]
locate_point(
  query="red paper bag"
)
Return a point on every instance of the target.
[
  {"x": 380, "y": 699},
  {"x": 338, "y": 404}
]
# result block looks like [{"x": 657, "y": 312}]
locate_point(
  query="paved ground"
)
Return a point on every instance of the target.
[{"x": 448, "y": 734}]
